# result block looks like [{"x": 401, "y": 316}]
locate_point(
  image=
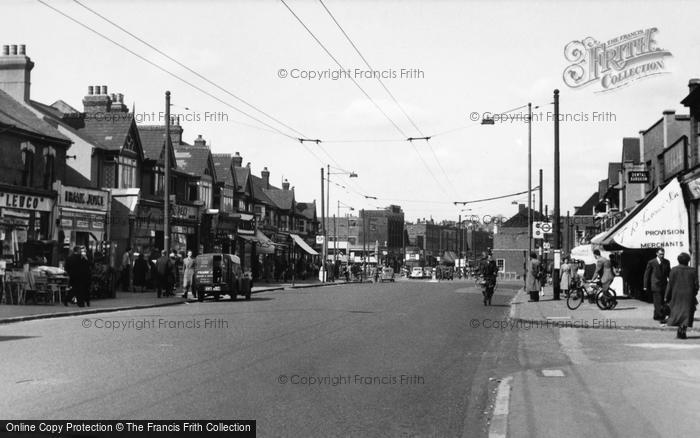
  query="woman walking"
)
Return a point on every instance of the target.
[
  {"x": 681, "y": 294},
  {"x": 565, "y": 282}
]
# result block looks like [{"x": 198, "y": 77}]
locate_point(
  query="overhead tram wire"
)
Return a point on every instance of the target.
[
  {"x": 271, "y": 128},
  {"x": 379, "y": 108},
  {"x": 391, "y": 95},
  {"x": 494, "y": 198},
  {"x": 199, "y": 75},
  {"x": 168, "y": 72}
]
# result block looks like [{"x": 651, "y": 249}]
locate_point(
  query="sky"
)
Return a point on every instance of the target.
[{"x": 461, "y": 59}]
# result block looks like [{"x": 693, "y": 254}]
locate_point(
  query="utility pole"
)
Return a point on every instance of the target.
[
  {"x": 166, "y": 178},
  {"x": 459, "y": 237},
  {"x": 323, "y": 221},
  {"x": 529, "y": 179},
  {"x": 557, "y": 231}
]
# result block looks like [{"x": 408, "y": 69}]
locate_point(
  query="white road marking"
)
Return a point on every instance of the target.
[
  {"x": 667, "y": 346},
  {"x": 571, "y": 346},
  {"x": 499, "y": 422},
  {"x": 553, "y": 373}
]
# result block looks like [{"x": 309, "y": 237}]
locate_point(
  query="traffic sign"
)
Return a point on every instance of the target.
[{"x": 539, "y": 229}]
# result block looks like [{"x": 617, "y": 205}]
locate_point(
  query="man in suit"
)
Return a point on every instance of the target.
[
  {"x": 603, "y": 270},
  {"x": 655, "y": 281}
]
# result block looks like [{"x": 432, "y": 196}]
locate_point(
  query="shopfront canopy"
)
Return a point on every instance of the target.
[
  {"x": 659, "y": 222},
  {"x": 449, "y": 257},
  {"x": 299, "y": 241},
  {"x": 263, "y": 244}
]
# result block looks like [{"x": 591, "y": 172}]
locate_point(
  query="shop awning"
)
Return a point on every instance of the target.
[
  {"x": 263, "y": 243},
  {"x": 605, "y": 238},
  {"x": 449, "y": 257},
  {"x": 299, "y": 241},
  {"x": 661, "y": 221}
]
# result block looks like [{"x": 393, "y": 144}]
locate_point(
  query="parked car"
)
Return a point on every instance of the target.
[
  {"x": 387, "y": 274},
  {"x": 220, "y": 274},
  {"x": 416, "y": 272},
  {"x": 428, "y": 272}
]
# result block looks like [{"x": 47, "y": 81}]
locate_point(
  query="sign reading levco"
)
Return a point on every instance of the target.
[
  {"x": 24, "y": 202},
  {"x": 78, "y": 197}
]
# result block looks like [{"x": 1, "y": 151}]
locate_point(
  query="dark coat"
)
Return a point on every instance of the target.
[
  {"x": 164, "y": 269},
  {"x": 532, "y": 283},
  {"x": 656, "y": 275},
  {"x": 680, "y": 293},
  {"x": 140, "y": 270}
]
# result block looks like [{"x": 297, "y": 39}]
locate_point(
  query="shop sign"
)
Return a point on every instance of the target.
[
  {"x": 184, "y": 211},
  {"x": 638, "y": 177},
  {"x": 98, "y": 225},
  {"x": 82, "y": 223},
  {"x": 24, "y": 202},
  {"x": 66, "y": 223},
  {"x": 78, "y": 197}
]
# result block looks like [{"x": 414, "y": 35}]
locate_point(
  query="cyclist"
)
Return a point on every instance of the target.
[
  {"x": 489, "y": 273},
  {"x": 603, "y": 271}
]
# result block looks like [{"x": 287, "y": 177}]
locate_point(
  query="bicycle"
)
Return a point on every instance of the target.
[
  {"x": 488, "y": 287},
  {"x": 592, "y": 291}
]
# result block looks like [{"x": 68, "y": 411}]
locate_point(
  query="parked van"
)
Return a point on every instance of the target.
[{"x": 219, "y": 274}]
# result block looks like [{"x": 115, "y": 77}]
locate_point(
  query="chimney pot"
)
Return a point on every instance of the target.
[
  {"x": 5, "y": 49},
  {"x": 120, "y": 98},
  {"x": 693, "y": 83},
  {"x": 248, "y": 165},
  {"x": 90, "y": 90},
  {"x": 13, "y": 49},
  {"x": 669, "y": 112},
  {"x": 22, "y": 49},
  {"x": 104, "y": 89},
  {"x": 114, "y": 97}
]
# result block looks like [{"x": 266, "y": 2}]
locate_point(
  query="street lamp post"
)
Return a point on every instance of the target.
[
  {"x": 327, "y": 204},
  {"x": 335, "y": 244}
]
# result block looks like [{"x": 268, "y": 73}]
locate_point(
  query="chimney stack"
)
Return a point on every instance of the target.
[
  {"x": 199, "y": 141},
  {"x": 15, "y": 72},
  {"x": 285, "y": 185},
  {"x": 265, "y": 177},
  {"x": 669, "y": 115},
  {"x": 117, "y": 105},
  {"x": 98, "y": 101},
  {"x": 175, "y": 130},
  {"x": 237, "y": 160}
]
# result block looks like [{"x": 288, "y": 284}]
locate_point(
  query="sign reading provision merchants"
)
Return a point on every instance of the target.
[{"x": 663, "y": 222}]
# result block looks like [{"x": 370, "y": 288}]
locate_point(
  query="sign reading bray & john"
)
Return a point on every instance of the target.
[
  {"x": 78, "y": 197},
  {"x": 616, "y": 62}
]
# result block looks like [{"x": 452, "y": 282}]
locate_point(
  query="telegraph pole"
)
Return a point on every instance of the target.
[
  {"x": 166, "y": 177},
  {"x": 557, "y": 230},
  {"x": 323, "y": 221},
  {"x": 529, "y": 180}
]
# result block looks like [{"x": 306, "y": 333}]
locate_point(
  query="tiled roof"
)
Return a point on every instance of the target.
[
  {"x": 282, "y": 199},
  {"x": 242, "y": 174},
  {"x": 588, "y": 207},
  {"x": 306, "y": 209},
  {"x": 108, "y": 132},
  {"x": 259, "y": 192},
  {"x": 222, "y": 166},
  {"x": 520, "y": 219},
  {"x": 152, "y": 141},
  {"x": 192, "y": 159},
  {"x": 16, "y": 114}
]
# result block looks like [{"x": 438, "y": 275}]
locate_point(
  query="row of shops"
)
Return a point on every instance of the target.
[
  {"x": 37, "y": 225},
  {"x": 666, "y": 218}
]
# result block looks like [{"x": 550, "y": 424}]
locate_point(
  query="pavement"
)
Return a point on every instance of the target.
[
  {"x": 629, "y": 313},
  {"x": 10, "y": 313}
]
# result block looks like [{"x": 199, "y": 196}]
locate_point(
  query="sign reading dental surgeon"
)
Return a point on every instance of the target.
[
  {"x": 616, "y": 62},
  {"x": 663, "y": 222}
]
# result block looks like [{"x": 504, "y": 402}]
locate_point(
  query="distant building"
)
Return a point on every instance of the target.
[{"x": 510, "y": 243}]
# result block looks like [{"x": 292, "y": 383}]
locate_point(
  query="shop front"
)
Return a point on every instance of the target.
[
  {"x": 184, "y": 227},
  {"x": 659, "y": 221},
  {"x": 82, "y": 218},
  {"x": 25, "y": 218}
]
